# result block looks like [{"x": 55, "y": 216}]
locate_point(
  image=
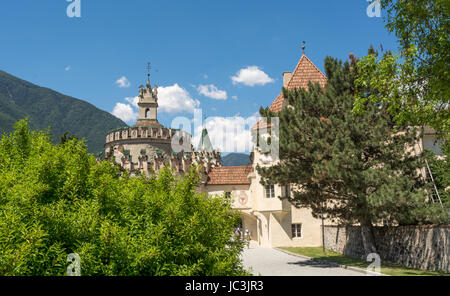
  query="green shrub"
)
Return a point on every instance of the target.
[{"x": 56, "y": 200}]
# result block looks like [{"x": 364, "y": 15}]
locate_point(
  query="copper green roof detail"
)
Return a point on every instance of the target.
[{"x": 205, "y": 142}]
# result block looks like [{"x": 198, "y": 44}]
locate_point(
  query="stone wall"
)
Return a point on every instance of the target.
[{"x": 420, "y": 247}]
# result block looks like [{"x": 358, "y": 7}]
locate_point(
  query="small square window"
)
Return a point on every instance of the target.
[
  {"x": 270, "y": 191},
  {"x": 296, "y": 230},
  {"x": 227, "y": 194}
]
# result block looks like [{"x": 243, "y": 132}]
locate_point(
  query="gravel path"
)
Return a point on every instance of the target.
[{"x": 272, "y": 262}]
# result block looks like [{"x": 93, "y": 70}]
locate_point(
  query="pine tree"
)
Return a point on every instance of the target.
[{"x": 349, "y": 168}]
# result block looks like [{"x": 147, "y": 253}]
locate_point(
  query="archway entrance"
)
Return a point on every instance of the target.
[{"x": 250, "y": 226}]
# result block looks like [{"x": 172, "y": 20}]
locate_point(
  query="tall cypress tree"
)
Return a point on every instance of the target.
[{"x": 350, "y": 168}]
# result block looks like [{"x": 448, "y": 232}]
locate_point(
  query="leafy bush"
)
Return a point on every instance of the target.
[{"x": 56, "y": 200}]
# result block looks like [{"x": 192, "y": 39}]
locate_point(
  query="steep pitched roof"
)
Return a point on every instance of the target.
[
  {"x": 304, "y": 73},
  {"x": 230, "y": 175}
]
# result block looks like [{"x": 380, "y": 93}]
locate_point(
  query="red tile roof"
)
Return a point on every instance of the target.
[
  {"x": 277, "y": 104},
  {"x": 305, "y": 72},
  {"x": 261, "y": 124},
  {"x": 230, "y": 175}
]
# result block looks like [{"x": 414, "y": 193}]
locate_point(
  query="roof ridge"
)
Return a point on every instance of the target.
[
  {"x": 295, "y": 69},
  {"x": 298, "y": 66},
  {"x": 300, "y": 77},
  {"x": 324, "y": 76}
]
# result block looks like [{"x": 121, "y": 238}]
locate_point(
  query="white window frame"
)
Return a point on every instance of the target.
[
  {"x": 296, "y": 230},
  {"x": 269, "y": 191}
]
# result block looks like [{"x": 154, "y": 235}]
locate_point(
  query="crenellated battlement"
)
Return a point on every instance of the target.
[
  {"x": 135, "y": 158},
  {"x": 140, "y": 132}
]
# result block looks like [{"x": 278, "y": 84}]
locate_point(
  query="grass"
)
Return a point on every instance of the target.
[{"x": 386, "y": 268}]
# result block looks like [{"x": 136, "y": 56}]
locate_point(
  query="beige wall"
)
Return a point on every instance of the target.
[
  {"x": 270, "y": 220},
  {"x": 278, "y": 215},
  {"x": 250, "y": 223},
  {"x": 235, "y": 193}
]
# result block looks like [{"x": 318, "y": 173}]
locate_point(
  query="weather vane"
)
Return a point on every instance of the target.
[
  {"x": 149, "y": 68},
  {"x": 303, "y": 47}
]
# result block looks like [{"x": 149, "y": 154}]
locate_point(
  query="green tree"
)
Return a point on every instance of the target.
[
  {"x": 347, "y": 167},
  {"x": 56, "y": 200},
  {"x": 65, "y": 137},
  {"x": 414, "y": 84},
  {"x": 440, "y": 168}
]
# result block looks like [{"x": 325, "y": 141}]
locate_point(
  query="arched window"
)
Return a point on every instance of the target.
[{"x": 146, "y": 112}]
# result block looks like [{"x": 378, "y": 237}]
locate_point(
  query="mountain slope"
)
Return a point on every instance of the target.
[
  {"x": 236, "y": 159},
  {"x": 45, "y": 107}
]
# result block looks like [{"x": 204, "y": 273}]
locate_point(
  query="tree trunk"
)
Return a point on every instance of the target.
[{"x": 368, "y": 238}]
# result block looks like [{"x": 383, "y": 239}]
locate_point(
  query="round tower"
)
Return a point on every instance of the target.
[{"x": 147, "y": 145}]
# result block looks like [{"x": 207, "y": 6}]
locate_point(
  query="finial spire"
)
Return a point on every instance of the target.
[
  {"x": 303, "y": 47},
  {"x": 148, "y": 74}
]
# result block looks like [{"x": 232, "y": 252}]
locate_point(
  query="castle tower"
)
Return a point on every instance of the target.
[
  {"x": 148, "y": 101},
  {"x": 147, "y": 144}
]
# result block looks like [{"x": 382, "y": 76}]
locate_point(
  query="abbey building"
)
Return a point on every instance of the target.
[{"x": 270, "y": 221}]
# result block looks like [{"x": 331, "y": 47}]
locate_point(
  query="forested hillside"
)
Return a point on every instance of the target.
[{"x": 45, "y": 107}]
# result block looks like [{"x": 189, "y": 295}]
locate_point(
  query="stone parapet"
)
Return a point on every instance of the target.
[{"x": 133, "y": 133}]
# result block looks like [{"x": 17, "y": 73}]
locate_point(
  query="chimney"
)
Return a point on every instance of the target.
[{"x": 286, "y": 77}]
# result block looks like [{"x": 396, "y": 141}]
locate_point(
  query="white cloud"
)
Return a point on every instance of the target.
[
  {"x": 123, "y": 82},
  {"x": 68, "y": 68},
  {"x": 175, "y": 99},
  {"x": 228, "y": 134},
  {"x": 171, "y": 99},
  {"x": 234, "y": 98},
  {"x": 211, "y": 91},
  {"x": 125, "y": 112},
  {"x": 134, "y": 101},
  {"x": 251, "y": 76}
]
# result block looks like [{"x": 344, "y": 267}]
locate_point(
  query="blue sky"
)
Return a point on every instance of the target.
[{"x": 189, "y": 43}]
